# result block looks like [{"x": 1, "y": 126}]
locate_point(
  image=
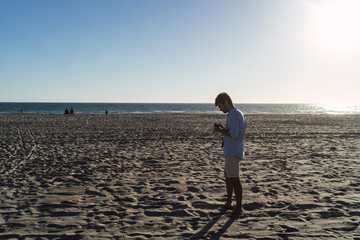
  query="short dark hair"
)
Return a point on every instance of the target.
[{"x": 222, "y": 98}]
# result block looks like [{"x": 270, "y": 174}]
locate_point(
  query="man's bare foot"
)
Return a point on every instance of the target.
[
  {"x": 228, "y": 206},
  {"x": 237, "y": 211}
]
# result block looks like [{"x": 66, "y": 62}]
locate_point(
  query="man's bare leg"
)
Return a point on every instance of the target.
[
  {"x": 229, "y": 191},
  {"x": 235, "y": 182}
]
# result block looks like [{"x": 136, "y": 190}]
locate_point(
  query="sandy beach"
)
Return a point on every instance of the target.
[{"x": 160, "y": 176}]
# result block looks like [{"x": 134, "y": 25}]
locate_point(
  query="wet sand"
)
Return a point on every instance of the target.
[{"x": 160, "y": 176}]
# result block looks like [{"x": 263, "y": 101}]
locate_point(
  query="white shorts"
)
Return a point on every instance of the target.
[{"x": 232, "y": 167}]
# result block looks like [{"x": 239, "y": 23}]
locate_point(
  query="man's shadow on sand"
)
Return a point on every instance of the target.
[{"x": 216, "y": 235}]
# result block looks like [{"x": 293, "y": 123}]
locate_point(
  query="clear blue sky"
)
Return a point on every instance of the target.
[{"x": 259, "y": 51}]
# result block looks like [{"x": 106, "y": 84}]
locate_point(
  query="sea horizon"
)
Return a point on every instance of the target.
[{"x": 186, "y": 108}]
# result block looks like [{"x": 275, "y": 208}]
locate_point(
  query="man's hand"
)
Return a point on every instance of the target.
[
  {"x": 221, "y": 129},
  {"x": 218, "y": 127}
]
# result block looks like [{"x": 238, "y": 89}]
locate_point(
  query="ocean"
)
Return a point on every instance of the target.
[{"x": 186, "y": 108}]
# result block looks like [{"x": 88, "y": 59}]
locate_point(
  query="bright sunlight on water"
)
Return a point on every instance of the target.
[{"x": 339, "y": 108}]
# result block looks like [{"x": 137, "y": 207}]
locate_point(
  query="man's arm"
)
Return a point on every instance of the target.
[{"x": 221, "y": 129}]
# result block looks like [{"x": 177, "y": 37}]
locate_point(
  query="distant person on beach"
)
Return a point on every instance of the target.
[
  {"x": 234, "y": 134},
  {"x": 72, "y": 111},
  {"x": 66, "y": 111},
  {"x": 106, "y": 112}
]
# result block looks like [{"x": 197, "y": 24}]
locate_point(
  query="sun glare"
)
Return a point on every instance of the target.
[
  {"x": 340, "y": 108},
  {"x": 336, "y": 25}
]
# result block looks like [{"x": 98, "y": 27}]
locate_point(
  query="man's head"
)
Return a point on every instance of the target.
[{"x": 224, "y": 102}]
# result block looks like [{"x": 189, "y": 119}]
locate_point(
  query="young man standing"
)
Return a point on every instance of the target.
[{"x": 234, "y": 134}]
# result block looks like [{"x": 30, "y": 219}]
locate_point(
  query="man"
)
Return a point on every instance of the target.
[{"x": 234, "y": 134}]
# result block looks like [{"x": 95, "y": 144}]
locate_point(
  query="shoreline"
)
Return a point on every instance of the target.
[
  {"x": 188, "y": 108},
  {"x": 146, "y": 176}
]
